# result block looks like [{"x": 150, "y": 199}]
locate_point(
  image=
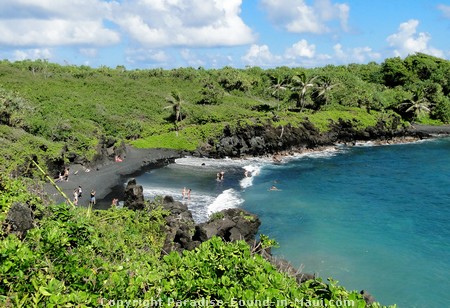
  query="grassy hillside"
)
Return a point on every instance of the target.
[
  {"x": 52, "y": 113},
  {"x": 76, "y": 257}
]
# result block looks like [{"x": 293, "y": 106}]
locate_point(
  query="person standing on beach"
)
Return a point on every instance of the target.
[
  {"x": 92, "y": 200},
  {"x": 114, "y": 202},
  {"x": 183, "y": 194},
  {"x": 75, "y": 196},
  {"x": 66, "y": 174},
  {"x": 189, "y": 194}
]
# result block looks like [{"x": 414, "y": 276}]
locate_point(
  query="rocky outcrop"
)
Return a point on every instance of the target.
[
  {"x": 261, "y": 140},
  {"x": 183, "y": 234},
  {"x": 106, "y": 150},
  {"x": 179, "y": 227},
  {"x": 18, "y": 220},
  {"x": 134, "y": 196},
  {"x": 231, "y": 225}
]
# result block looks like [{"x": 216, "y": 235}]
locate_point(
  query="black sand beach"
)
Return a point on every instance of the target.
[
  {"x": 107, "y": 180},
  {"x": 431, "y": 129}
]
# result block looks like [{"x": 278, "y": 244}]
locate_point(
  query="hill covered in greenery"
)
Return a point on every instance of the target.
[
  {"x": 76, "y": 257},
  {"x": 51, "y": 112},
  {"x": 54, "y": 114}
]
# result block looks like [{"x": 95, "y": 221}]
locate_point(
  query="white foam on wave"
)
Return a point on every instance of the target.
[
  {"x": 198, "y": 202},
  {"x": 208, "y": 162},
  {"x": 161, "y": 191},
  {"x": 246, "y": 182},
  {"x": 229, "y": 198},
  {"x": 322, "y": 153},
  {"x": 252, "y": 171}
]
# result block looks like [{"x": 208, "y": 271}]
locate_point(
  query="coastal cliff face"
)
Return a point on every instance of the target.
[{"x": 267, "y": 139}]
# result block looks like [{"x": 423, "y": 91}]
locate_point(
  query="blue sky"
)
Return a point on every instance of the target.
[{"x": 140, "y": 34}]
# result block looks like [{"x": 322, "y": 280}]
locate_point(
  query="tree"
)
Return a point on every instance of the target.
[
  {"x": 441, "y": 110},
  {"x": 176, "y": 103},
  {"x": 419, "y": 106},
  {"x": 322, "y": 91},
  {"x": 301, "y": 84},
  {"x": 278, "y": 85},
  {"x": 395, "y": 73},
  {"x": 211, "y": 92}
]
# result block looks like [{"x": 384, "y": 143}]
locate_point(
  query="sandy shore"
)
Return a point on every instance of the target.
[
  {"x": 107, "y": 180},
  {"x": 430, "y": 129}
]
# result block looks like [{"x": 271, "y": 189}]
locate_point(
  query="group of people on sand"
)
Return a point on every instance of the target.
[
  {"x": 78, "y": 192},
  {"x": 63, "y": 176}
]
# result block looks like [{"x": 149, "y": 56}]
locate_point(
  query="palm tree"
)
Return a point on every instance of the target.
[
  {"x": 324, "y": 87},
  {"x": 301, "y": 84},
  {"x": 176, "y": 102},
  {"x": 278, "y": 85},
  {"x": 418, "y": 106}
]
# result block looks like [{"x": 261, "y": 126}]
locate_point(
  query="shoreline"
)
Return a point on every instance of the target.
[{"x": 109, "y": 179}]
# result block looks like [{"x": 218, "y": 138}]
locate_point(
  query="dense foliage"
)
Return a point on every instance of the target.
[
  {"x": 51, "y": 107},
  {"x": 83, "y": 258},
  {"x": 76, "y": 257}
]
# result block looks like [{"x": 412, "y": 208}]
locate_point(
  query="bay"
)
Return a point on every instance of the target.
[{"x": 372, "y": 217}]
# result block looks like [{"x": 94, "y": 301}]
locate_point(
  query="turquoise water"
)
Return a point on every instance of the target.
[{"x": 372, "y": 217}]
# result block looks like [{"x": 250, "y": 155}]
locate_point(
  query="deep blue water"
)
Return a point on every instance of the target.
[{"x": 372, "y": 217}]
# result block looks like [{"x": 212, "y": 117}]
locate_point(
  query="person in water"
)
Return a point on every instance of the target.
[{"x": 220, "y": 175}]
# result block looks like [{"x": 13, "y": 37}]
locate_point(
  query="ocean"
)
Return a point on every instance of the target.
[{"x": 371, "y": 217}]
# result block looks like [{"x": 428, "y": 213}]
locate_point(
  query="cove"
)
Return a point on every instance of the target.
[{"x": 372, "y": 217}]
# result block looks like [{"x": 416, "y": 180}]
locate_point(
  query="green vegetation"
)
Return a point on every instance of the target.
[
  {"x": 75, "y": 257},
  {"x": 82, "y": 258},
  {"x": 54, "y": 108}
]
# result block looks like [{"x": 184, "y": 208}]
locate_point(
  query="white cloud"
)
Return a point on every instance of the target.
[
  {"x": 151, "y": 23},
  {"x": 146, "y": 55},
  {"x": 301, "y": 49},
  {"x": 299, "y": 54},
  {"x": 32, "y": 54},
  {"x": 304, "y": 54},
  {"x": 296, "y": 16},
  {"x": 407, "y": 41},
  {"x": 52, "y": 23},
  {"x": 191, "y": 58},
  {"x": 260, "y": 55},
  {"x": 190, "y": 23},
  {"x": 445, "y": 9},
  {"x": 355, "y": 55}
]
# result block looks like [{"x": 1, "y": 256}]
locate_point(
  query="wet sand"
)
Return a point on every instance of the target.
[{"x": 108, "y": 179}]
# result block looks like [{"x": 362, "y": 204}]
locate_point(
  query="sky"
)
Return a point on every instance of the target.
[{"x": 144, "y": 34}]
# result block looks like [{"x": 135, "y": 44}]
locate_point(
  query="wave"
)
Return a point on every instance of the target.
[
  {"x": 229, "y": 198},
  {"x": 162, "y": 191},
  {"x": 208, "y": 163},
  {"x": 250, "y": 171},
  {"x": 322, "y": 153}
]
